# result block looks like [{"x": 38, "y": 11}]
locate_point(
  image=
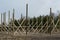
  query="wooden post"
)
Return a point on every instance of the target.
[
  {"x": 4, "y": 18},
  {"x": 1, "y": 18},
  {"x": 26, "y": 18},
  {"x": 8, "y": 16},
  {"x": 26, "y": 11},
  {"x": 42, "y": 21},
  {"x": 21, "y": 15},
  {"x": 13, "y": 14},
  {"x": 13, "y": 19},
  {"x": 47, "y": 20},
  {"x": 50, "y": 11}
]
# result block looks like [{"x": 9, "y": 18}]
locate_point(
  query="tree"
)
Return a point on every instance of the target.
[{"x": 16, "y": 23}]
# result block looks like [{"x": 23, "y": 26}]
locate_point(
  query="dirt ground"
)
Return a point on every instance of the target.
[{"x": 30, "y": 37}]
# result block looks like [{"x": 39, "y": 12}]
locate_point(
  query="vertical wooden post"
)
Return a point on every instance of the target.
[
  {"x": 8, "y": 16},
  {"x": 50, "y": 17},
  {"x": 26, "y": 18},
  {"x": 42, "y": 21},
  {"x": 1, "y": 18},
  {"x": 47, "y": 20},
  {"x": 13, "y": 14},
  {"x": 50, "y": 11},
  {"x": 4, "y": 18},
  {"x": 26, "y": 11},
  {"x": 13, "y": 19},
  {"x": 21, "y": 15}
]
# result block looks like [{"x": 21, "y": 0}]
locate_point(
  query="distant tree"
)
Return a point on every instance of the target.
[
  {"x": 34, "y": 20},
  {"x": 45, "y": 19},
  {"x": 39, "y": 20}
]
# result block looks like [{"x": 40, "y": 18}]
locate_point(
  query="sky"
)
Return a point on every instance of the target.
[{"x": 35, "y": 7}]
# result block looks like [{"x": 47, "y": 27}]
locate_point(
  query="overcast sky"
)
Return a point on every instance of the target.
[{"x": 36, "y": 7}]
